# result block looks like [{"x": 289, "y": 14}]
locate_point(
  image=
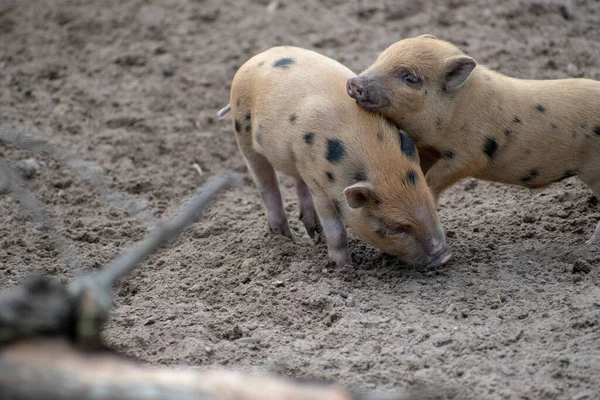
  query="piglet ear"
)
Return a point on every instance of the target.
[
  {"x": 458, "y": 70},
  {"x": 358, "y": 194}
]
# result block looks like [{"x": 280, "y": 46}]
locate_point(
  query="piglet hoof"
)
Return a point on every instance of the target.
[
  {"x": 281, "y": 230},
  {"x": 339, "y": 258},
  {"x": 595, "y": 239}
]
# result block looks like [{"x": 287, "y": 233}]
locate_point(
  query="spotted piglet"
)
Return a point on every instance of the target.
[
  {"x": 353, "y": 167},
  {"x": 480, "y": 123}
]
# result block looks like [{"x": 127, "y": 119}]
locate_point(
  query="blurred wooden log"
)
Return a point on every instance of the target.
[{"x": 53, "y": 369}]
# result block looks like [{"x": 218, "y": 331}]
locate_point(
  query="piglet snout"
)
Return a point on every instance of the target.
[
  {"x": 355, "y": 89},
  {"x": 439, "y": 254},
  {"x": 440, "y": 259},
  {"x": 361, "y": 89}
]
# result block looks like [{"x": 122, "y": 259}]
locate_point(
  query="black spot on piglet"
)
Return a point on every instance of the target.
[
  {"x": 335, "y": 150},
  {"x": 517, "y": 120},
  {"x": 532, "y": 174},
  {"x": 283, "y": 63},
  {"x": 568, "y": 173},
  {"x": 540, "y": 108},
  {"x": 490, "y": 146},
  {"x": 238, "y": 126},
  {"x": 293, "y": 118},
  {"x": 597, "y": 130},
  {"x": 411, "y": 177},
  {"x": 309, "y": 138},
  {"x": 406, "y": 144},
  {"x": 330, "y": 176}
]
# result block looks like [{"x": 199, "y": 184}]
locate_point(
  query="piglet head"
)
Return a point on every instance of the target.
[
  {"x": 398, "y": 217},
  {"x": 411, "y": 80}
]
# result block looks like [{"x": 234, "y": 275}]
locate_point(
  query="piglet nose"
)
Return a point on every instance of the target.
[
  {"x": 354, "y": 88},
  {"x": 439, "y": 252},
  {"x": 437, "y": 246}
]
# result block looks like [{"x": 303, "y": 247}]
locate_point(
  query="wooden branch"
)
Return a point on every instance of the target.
[
  {"x": 53, "y": 369},
  {"x": 187, "y": 214},
  {"x": 39, "y": 307}
]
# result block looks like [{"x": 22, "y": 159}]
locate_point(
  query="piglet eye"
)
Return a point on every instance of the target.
[
  {"x": 410, "y": 78},
  {"x": 404, "y": 229}
]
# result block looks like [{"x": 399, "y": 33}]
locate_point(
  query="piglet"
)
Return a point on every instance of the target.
[
  {"x": 472, "y": 121},
  {"x": 351, "y": 167}
]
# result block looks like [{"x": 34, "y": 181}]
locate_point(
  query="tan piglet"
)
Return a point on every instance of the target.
[
  {"x": 291, "y": 113},
  {"x": 470, "y": 121}
]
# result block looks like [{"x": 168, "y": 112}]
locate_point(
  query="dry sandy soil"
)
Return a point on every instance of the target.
[{"x": 134, "y": 86}]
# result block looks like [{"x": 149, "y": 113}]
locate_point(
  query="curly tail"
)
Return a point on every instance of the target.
[{"x": 223, "y": 111}]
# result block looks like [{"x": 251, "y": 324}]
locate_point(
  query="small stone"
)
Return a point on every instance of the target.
[
  {"x": 529, "y": 219},
  {"x": 441, "y": 340},
  {"x": 168, "y": 71},
  {"x": 248, "y": 340},
  {"x": 209, "y": 350},
  {"x": 278, "y": 284},
  {"x": 572, "y": 70},
  {"x": 160, "y": 49},
  {"x": 28, "y": 167},
  {"x": 566, "y": 10},
  {"x": 252, "y": 326},
  {"x": 350, "y": 301}
]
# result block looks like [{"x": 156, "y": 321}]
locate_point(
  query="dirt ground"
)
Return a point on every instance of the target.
[{"x": 135, "y": 85}]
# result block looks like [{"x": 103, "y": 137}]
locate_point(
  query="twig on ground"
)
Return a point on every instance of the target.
[
  {"x": 187, "y": 213},
  {"x": 12, "y": 181},
  {"x": 198, "y": 168},
  {"x": 89, "y": 171}
]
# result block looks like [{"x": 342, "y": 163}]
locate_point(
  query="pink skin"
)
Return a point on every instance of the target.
[
  {"x": 276, "y": 217},
  {"x": 266, "y": 181},
  {"x": 337, "y": 241},
  {"x": 356, "y": 90}
]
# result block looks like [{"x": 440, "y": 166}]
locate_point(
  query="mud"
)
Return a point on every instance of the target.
[{"x": 134, "y": 86}]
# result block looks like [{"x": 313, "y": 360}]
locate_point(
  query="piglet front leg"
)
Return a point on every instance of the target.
[
  {"x": 335, "y": 231},
  {"x": 337, "y": 241}
]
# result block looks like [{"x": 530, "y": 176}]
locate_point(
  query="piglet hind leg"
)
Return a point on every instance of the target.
[
  {"x": 590, "y": 175},
  {"x": 308, "y": 214},
  {"x": 335, "y": 233},
  {"x": 266, "y": 180}
]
